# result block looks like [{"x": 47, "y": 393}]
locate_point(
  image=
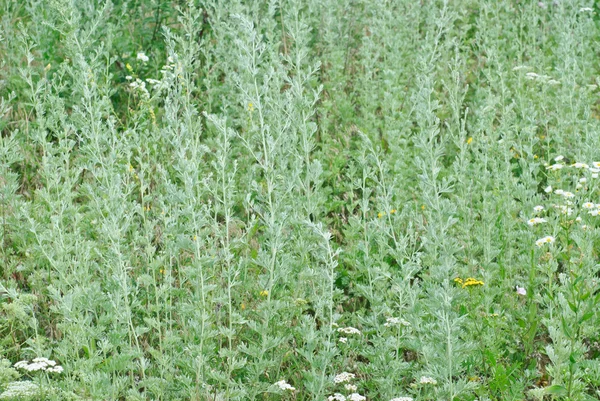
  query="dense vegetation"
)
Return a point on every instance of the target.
[{"x": 299, "y": 200}]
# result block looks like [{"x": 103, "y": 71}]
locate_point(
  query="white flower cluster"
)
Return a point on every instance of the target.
[
  {"x": 142, "y": 56},
  {"x": 402, "y": 399},
  {"x": 283, "y": 385},
  {"x": 395, "y": 321},
  {"x": 343, "y": 377},
  {"x": 356, "y": 397},
  {"x": 45, "y": 364},
  {"x": 139, "y": 85},
  {"x": 336, "y": 397},
  {"x": 348, "y": 330},
  {"x": 20, "y": 389}
]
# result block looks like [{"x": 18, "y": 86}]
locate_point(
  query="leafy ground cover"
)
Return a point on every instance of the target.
[{"x": 299, "y": 200}]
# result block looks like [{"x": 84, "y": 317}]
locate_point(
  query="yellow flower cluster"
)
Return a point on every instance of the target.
[{"x": 469, "y": 281}]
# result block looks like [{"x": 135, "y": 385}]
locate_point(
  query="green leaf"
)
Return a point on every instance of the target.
[{"x": 556, "y": 389}]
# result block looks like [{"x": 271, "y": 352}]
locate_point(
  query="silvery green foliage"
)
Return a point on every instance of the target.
[{"x": 304, "y": 200}]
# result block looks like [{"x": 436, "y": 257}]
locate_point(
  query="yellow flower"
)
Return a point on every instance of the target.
[
  {"x": 47, "y": 68},
  {"x": 422, "y": 207},
  {"x": 250, "y": 107},
  {"x": 393, "y": 211},
  {"x": 380, "y": 215},
  {"x": 243, "y": 306},
  {"x": 195, "y": 238},
  {"x": 264, "y": 293},
  {"x": 469, "y": 140},
  {"x": 470, "y": 281},
  {"x": 128, "y": 66}
]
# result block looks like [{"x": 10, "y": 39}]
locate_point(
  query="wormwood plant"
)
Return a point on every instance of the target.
[{"x": 299, "y": 200}]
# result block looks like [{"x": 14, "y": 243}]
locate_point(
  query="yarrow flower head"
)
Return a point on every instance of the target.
[
  {"x": 283, "y": 385},
  {"x": 402, "y": 399},
  {"x": 395, "y": 321},
  {"x": 350, "y": 387},
  {"x": 343, "y": 377},
  {"x": 142, "y": 56},
  {"x": 427, "y": 380},
  {"x": 20, "y": 389},
  {"x": 356, "y": 397},
  {"x": 343, "y": 340},
  {"x": 546, "y": 240},
  {"x": 548, "y": 189},
  {"x": 43, "y": 364},
  {"x": 336, "y": 397},
  {"x": 348, "y": 330}
]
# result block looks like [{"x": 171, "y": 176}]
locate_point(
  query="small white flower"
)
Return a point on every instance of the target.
[
  {"x": 343, "y": 377},
  {"x": 558, "y": 158},
  {"x": 580, "y": 165},
  {"x": 548, "y": 189},
  {"x": 350, "y": 387},
  {"x": 538, "y": 208},
  {"x": 595, "y": 175},
  {"x": 343, "y": 340},
  {"x": 546, "y": 240},
  {"x": 531, "y": 75},
  {"x": 554, "y": 167},
  {"x": 553, "y": 82},
  {"x": 596, "y": 165},
  {"x": 567, "y": 194},
  {"x": 356, "y": 397},
  {"x": 348, "y": 330},
  {"x": 559, "y": 191},
  {"x": 427, "y": 380},
  {"x": 588, "y": 205},
  {"x": 129, "y": 77},
  {"x": 402, "y": 399},
  {"x": 594, "y": 212},
  {"x": 142, "y": 56},
  {"x": 283, "y": 385},
  {"x": 583, "y": 180},
  {"x": 521, "y": 290},
  {"x": 535, "y": 221},
  {"x": 336, "y": 397}
]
